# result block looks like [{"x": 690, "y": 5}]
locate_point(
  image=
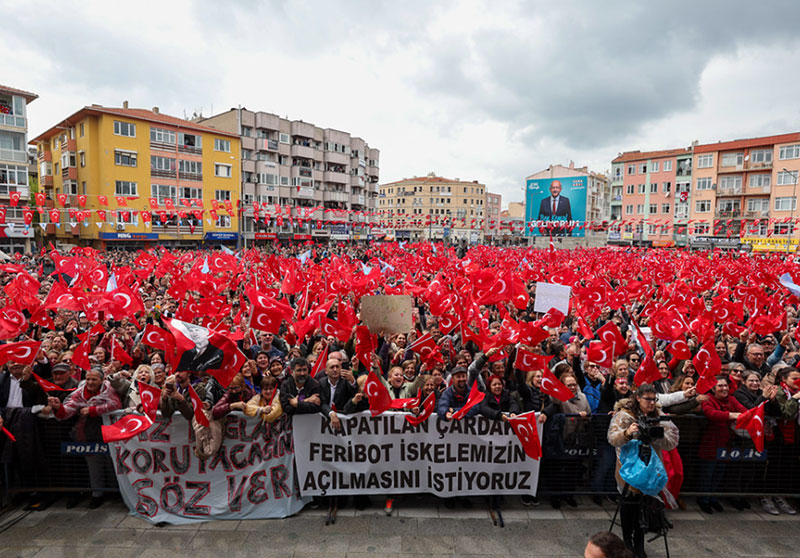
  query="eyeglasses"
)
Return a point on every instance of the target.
[{"x": 592, "y": 366}]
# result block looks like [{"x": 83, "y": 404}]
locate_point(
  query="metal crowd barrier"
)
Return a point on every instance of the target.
[{"x": 577, "y": 459}]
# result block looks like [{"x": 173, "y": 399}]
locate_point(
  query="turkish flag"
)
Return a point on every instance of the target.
[
  {"x": 528, "y": 361},
  {"x": 150, "y": 396},
  {"x": 427, "y": 410},
  {"x": 55, "y": 216},
  {"x": 366, "y": 344},
  {"x": 102, "y": 200},
  {"x": 23, "y": 352},
  {"x": 82, "y": 200},
  {"x": 40, "y": 198},
  {"x": 378, "y": 395},
  {"x": 126, "y": 428},
  {"x": 600, "y": 354},
  {"x": 753, "y": 421},
  {"x": 679, "y": 349},
  {"x": 334, "y": 328},
  {"x": 49, "y": 386},
  {"x": 153, "y": 203},
  {"x": 708, "y": 365},
  {"x": 62, "y": 199},
  {"x": 448, "y": 323},
  {"x": 101, "y": 213},
  {"x": 122, "y": 201},
  {"x": 647, "y": 372},
  {"x": 527, "y": 430},
  {"x": 81, "y": 355},
  {"x": 15, "y": 196},
  {"x": 267, "y": 313},
  {"x": 118, "y": 353},
  {"x": 667, "y": 324},
  {"x": 42, "y": 318},
  {"x": 474, "y": 398},
  {"x": 197, "y": 405},
  {"x": 610, "y": 336},
  {"x": 27, "y": 216},
  {"x": 12, "y": 323},
  {"x": 584, "y": 329},
  {"x": 424, "y": 346},
  {"x": 553, "y": 386},
  {"x": 320, "y": 363},
  {"x": 552, "y": 318}
]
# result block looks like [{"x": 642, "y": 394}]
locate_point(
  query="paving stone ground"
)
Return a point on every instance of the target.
[{"x": 419, "y": 527}]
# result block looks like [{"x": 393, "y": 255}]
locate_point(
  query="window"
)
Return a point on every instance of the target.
[
  {"x": 222, "y": 170},
  {"x": 702, "y": 206},
  {"x": 266, "y": 178},
  {"x": 760, "y": 180},
  {"x": 162, "y": 192},
  {"x": 222, "y": 195},
  {"x": 667, "y": 187},
  {"x": 731, "y": 182},
  {"x": 190, "y": 140},
  {"x": 732, "y": 159},
  {"x": 758, "y": 205},
  {"x": 654, "y": 166},
  {"x": 82, "y": 129},
  {"x": 82, "y": 157},
  {"x": 651, "y": 229},
  {"x": 639, "y": 208},
  {"x": 761, "y": 156},
  {"x": 190, "y": 168},
  {"x": 654, "y": 187},
  {"x": 124, "y": 129},
  {"x": 247, "y": 131},
  {"x": 162, "y": 136},
  {"x": 284, "y": 180},
  {"x": 789, "y": 152},
  {"x": 705, "y": 161},
  {"x": 642, "y": 188},
  {"x": 701, "y": 228},
  {"x": 629, "y": 189},
  {"x": 631, "y": 169},
  {"x": 665, "y": 208},
  {"x": 704, "y": 183},
  {"x": 222, "y": 145},
  {"x": 70, "y": 187},
  {"x": 667, "y": 166},
  {"x": 643, "y": 168},
  {"x": 653, "y": 209},
  {"x": 124, "y": 158},
  {"x": 284, "y": 138},
  {"x": 786, "y": 177},
  {"x": 162, "y": 164},
  {"x": 785, "y": 204},
  {"x": 126, "y": 188},
  {"x": 224, "y": 221},
  {"x": 128, "y": 217},
  {"x": 247, "y": 154},
  {"x": 190, "y": 193},
  {"x": 783, "y": 228},
  {"x": 682, "y": 187}
]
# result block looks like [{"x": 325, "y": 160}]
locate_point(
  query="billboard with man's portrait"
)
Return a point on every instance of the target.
[{"x": 556, "y": 206}]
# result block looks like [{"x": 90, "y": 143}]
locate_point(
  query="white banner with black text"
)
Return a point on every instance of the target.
[{"x": 387, "y": 455}]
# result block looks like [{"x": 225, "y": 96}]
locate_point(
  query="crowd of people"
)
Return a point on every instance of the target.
[{"x": 92, "y": 352}]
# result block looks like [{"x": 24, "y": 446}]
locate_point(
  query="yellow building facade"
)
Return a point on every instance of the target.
[{"x": 125, "y": 177}]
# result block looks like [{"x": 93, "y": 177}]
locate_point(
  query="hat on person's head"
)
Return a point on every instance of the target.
[
  {"x": 61, "y": 367},
  {"x": 275, "y": 359},
  {"x": 458, "y": 370}
]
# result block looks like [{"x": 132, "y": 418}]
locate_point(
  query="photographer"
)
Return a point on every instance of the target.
[{"x": 638, "y": 417}]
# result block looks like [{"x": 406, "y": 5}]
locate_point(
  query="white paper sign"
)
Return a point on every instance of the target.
[{"x": 552, "y": 295}]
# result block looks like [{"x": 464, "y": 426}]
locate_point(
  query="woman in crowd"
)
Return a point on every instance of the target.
[
  {"x": 265, "y": 404},
  {"x": 498, "y": 404},
  {"x": 782, "y": 412},
  {"x": 692, "y": 405},
  {"x": 624, "y": 427},
  {"x": 663, "y": 385}
]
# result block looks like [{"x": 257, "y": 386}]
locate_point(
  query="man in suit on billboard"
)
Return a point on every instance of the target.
[{"x": 555, "y": 208}]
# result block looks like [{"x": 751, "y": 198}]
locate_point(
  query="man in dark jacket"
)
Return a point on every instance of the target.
[
  {"x": 299, "y": 392},
  {"x": 336, "y": 389},
  {"x": 456, "y": 395}
]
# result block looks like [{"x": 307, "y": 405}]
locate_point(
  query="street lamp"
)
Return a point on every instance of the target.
[{"x": 794, "y": 175}]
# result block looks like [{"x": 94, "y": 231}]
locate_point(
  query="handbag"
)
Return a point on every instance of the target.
[{"x": 649, "y": 478}]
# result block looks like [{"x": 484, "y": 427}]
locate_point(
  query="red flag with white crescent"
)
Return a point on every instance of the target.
[
  {"x": 23, "y": 352},
  {"x": 427, "y": 410},
  {"x": 149, "y": 396},
  {"x": 753, "y": 421},
  {"x": 528, "y": 361},
  {"x": 553, "y": 386},
  {"x": 197, "y": 405},
  {"x": 378, "y": 395},
  {"x": 126, "y": 428},
  {"x": 527, "y": 430},
  {"x": 49, "y": 386},
  {"x": 474, "y": 398}
]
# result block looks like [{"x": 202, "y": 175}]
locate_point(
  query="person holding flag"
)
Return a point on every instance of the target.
[
  {"x": 266, "y": 404},
  {"x": 93, "y": 398}
]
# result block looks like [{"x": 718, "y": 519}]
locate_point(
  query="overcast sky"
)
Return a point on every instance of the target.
[{"x": 487, "y": 91}]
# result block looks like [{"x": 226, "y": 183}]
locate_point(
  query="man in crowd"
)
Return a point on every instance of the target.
[{"x": 300, "y": 394}]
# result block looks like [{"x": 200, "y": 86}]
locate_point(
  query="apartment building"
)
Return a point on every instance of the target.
[
  {"x": 300, "y": 180},
  {"x": 748, "y": 188},
  {"x": 432, "y": 207},
  {"x": 131, "y": 178},
  {"x": 15, "y": 236},
  {"x": 493, "y": 204},
  {"x": 650, "y": 197},
  {"x": 738, "y": 193},
  {"x": 598, "y": 191}
]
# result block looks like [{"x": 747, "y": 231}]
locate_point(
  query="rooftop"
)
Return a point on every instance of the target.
[
  {"x": 629, "y": 156},
  {"x": 29, "y": 97},
  {"x": 745, "y": 143}
]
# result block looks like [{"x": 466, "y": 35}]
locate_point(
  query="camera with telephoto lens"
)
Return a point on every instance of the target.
[{"x": 650, "y": 429}]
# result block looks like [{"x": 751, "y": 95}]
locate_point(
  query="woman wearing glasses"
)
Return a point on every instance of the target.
[{"x": 624, "y": 427}]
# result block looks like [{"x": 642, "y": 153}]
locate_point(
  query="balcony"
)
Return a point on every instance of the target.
[
  {"x": 305, "y": 192},
  {"x": 198, "y": 176},
  {"x": 336, "y": 177},
  {"x": 171, "y": 228},
  {"x": 304, "y": 151},
  {"x": 336, "y": 158},
  {"x": 69, "y": 173},
  {"x": 304, "y": 172},
  {"x": 161, "y": 173},
  {"x": 358, "y": 199},
  {"x": 192, "y": 149},
  {"x": 733, "y": 191},
  {"x": 728, "y": 214},
  {"x": 46, "y": 180},
  {"x": 162, "y": 146},
  {"x": 14, "y": 155},
  {"x": 335, "y": 197},
  {"x": 271, "y": 144},
  {"x": 12, "y": 120},
  {"x": 756, "y": 214}
]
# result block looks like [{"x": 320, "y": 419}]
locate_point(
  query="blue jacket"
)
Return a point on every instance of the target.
[{"x": 451, "y": 400}]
